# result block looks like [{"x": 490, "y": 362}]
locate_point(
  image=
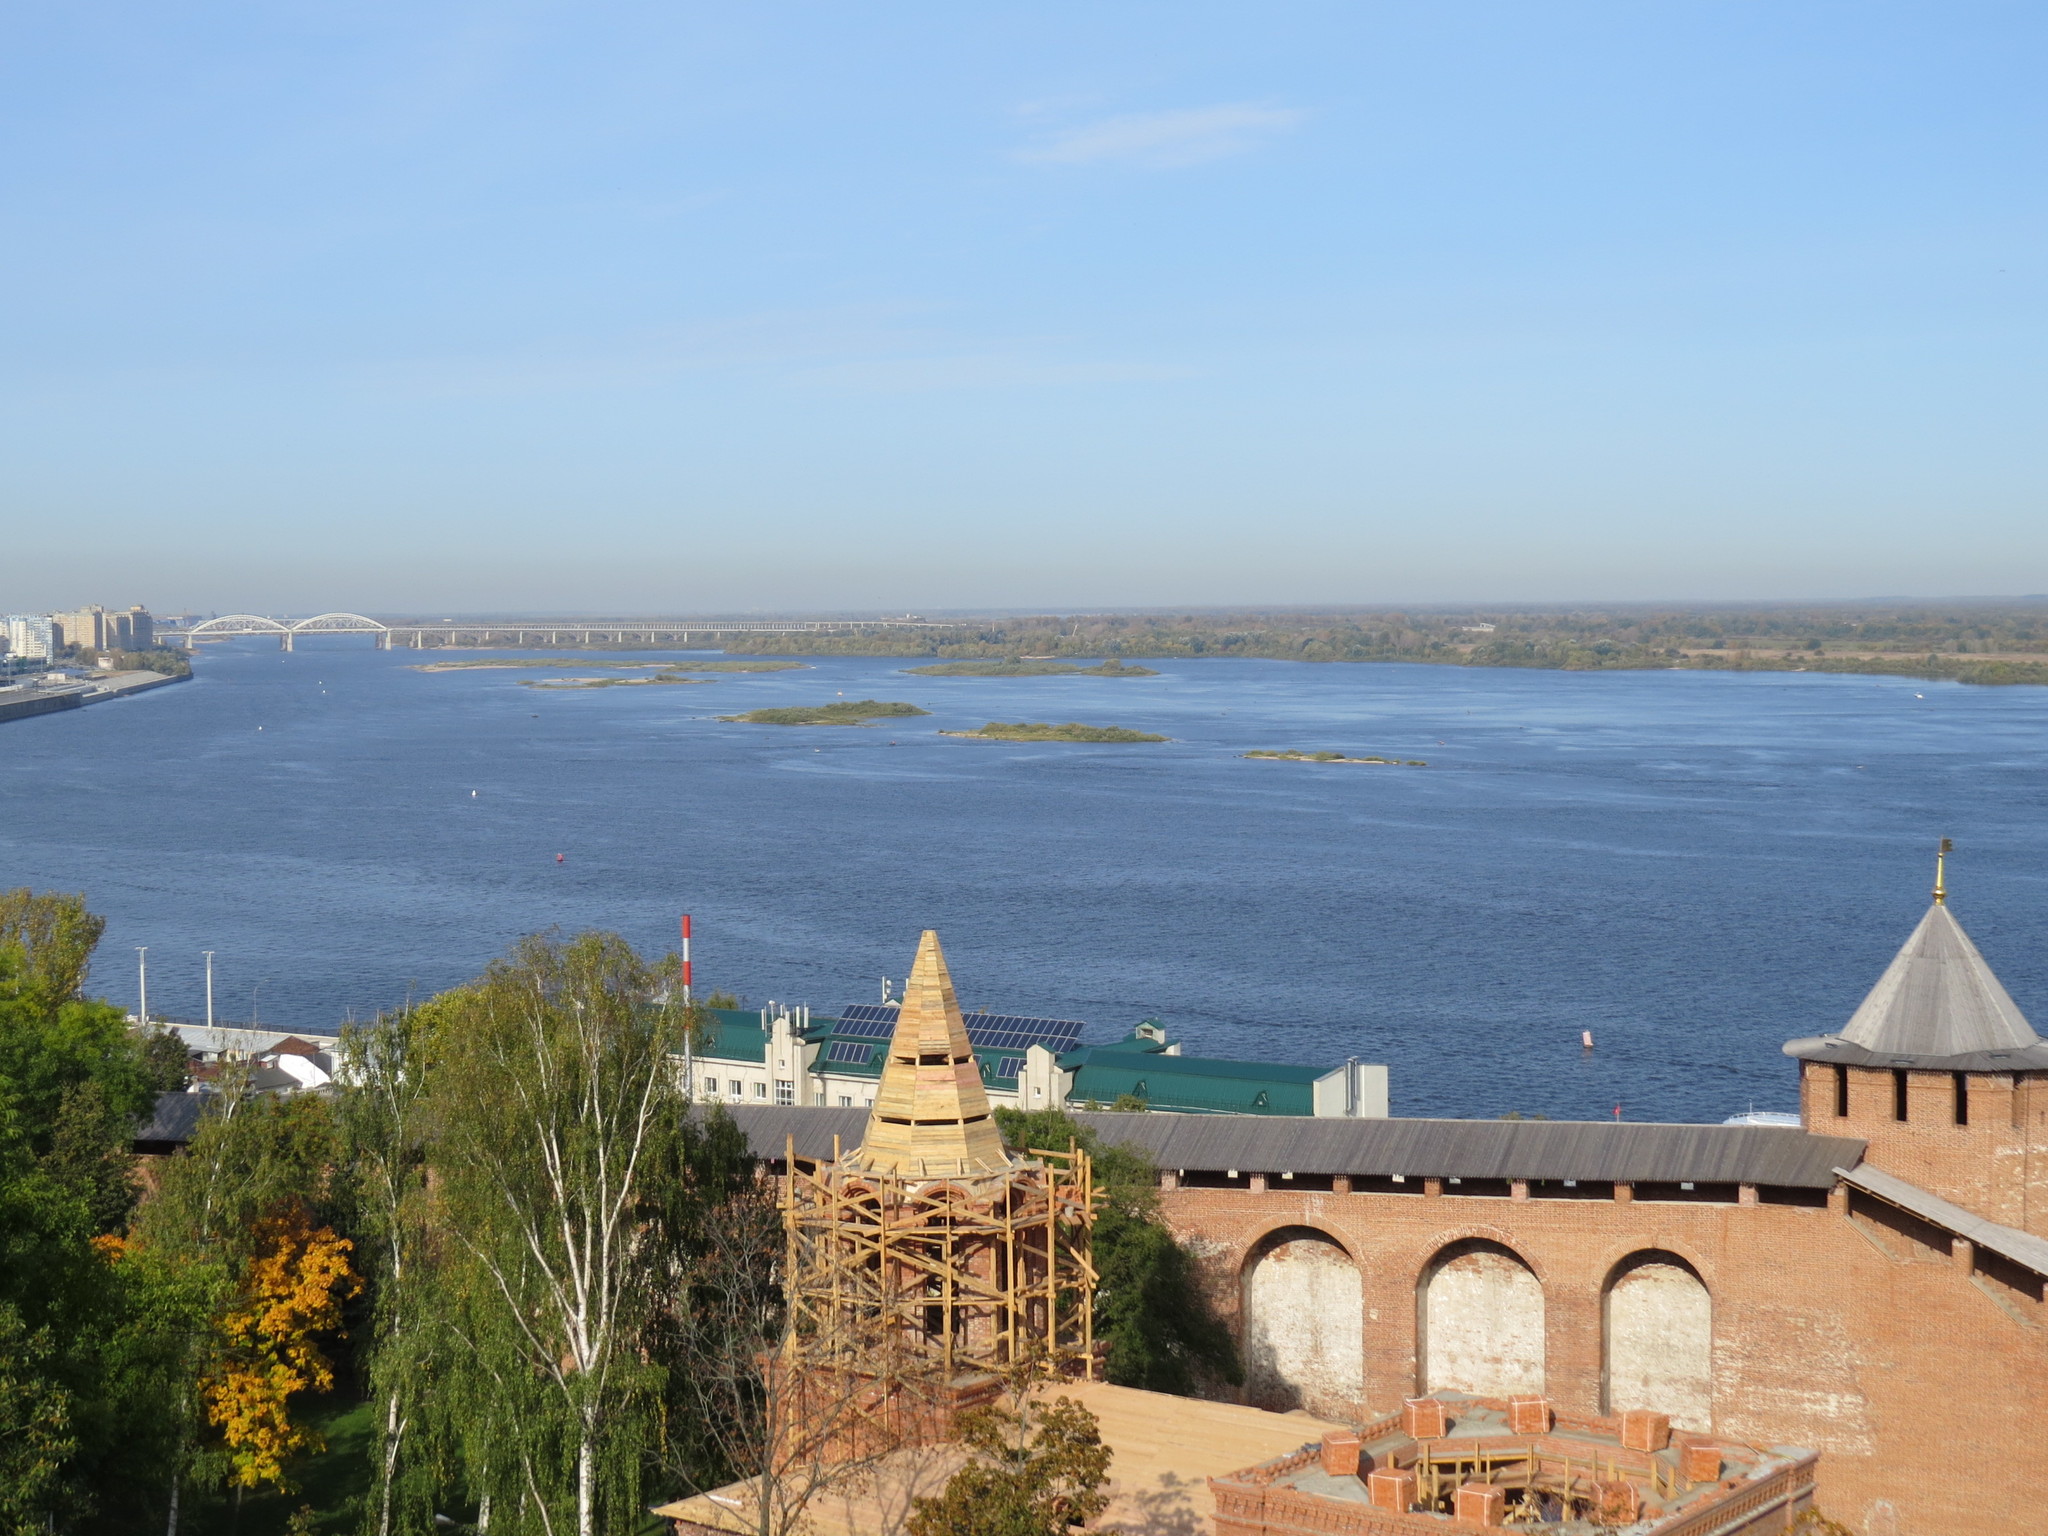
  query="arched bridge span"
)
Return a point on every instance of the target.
[{"x": 232, "y": 624}]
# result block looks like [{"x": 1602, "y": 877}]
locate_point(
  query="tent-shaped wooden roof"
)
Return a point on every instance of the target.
[{"x": 931, "y": 1116}]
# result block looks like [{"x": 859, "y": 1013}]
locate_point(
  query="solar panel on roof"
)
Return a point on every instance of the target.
[
  {"x": 987, "y": 1031},
  {"x": 1014, "y": 1032},
  {"x": 873, "y": 1021},
  {"x": 1007, "y": 1066},
  {"x": 858, "y": 1052}
]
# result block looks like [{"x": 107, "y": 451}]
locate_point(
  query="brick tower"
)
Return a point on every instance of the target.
[{"x": 1942, "y": 1075}]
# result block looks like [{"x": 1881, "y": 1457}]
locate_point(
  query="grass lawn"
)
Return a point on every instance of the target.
[{"x": 332, "y": 1483}]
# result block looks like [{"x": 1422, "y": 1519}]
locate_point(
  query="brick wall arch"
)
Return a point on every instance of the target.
[
  {"x": 1657, "y": 1332},
  {"x": 1516, "y": 1243},
  {"x": 1302, "y": 1312},
  {"x": 1480, "y": 1320},
  {"x": 1261, "y": 1233}
]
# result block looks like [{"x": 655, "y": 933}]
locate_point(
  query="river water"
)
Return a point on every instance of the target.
[{"x": 1693, "y": 866}]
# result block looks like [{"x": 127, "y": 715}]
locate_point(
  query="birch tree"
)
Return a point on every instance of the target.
[
  {"x": 569, "y": 1186},
  {"x": 382, "y": 1111}
]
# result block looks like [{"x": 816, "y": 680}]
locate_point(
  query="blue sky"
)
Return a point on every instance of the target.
[{"x": 685, "y": 307}]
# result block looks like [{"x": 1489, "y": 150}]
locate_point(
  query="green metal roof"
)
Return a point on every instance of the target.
[
  {"x": 1191, "y": 1084},
  {"x": 1136, "y": 1065},
  {"x": 734, "y": 1034}
]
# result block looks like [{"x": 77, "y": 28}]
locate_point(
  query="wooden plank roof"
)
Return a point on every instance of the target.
[{"x": 1163, "y": 1452}]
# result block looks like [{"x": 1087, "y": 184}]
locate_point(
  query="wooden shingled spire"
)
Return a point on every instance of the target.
[{"x": 931, "y": 1116}]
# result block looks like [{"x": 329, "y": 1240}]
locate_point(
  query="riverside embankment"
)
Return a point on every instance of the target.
[{"x": 25, "y": 702}]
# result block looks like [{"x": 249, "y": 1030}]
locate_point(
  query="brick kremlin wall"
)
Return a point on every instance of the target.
[
  {"x": 1995, "y": 1164},
  {"x": 1918, "y": 1369}
]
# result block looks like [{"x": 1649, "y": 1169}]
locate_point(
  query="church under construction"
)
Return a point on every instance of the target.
[{"x": 1449, "y": 1324}]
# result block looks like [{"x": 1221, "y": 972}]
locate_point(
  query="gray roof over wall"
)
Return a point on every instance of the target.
[
  {"x": 1597, "y": 1150},
  {"x": 767, "y": 1128},
  {"x": 2021, "y": 1247},
  {"x": 1936, "y": 1005}
]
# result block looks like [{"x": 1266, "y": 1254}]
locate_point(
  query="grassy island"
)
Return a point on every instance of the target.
[
  {"x": 1291, "y": 756},
  {"x": 608, "y": 682},
  {"x": 1039, "y": 730},
  {"x": 847, "y": 712},
  {"x": 502, "y": 663},
  {"x": 1029, "y": 667}
]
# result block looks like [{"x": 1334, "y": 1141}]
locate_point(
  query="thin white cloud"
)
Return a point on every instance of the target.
[{"x": 1164, "y": 140}]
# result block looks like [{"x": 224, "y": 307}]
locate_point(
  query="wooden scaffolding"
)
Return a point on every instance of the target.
[
  {"x": 931, "y": 1262},
  {"x": 940, "y": 1279}
]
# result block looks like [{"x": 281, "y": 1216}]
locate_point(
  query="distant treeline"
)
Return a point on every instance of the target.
[{"x": 1966, "y": 642}]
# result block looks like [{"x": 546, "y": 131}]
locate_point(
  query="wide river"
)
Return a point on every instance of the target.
[{"x": 1693, "y": 866}]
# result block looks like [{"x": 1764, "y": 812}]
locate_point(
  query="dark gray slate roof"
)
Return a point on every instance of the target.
[
  {"x": 1936, "y": 1005},
  {"x": 176, "y": 1118},
  {"x": 1464, "y": 1149},
  {"x": 2021, "y": 1247},
  {"x": 766, "y": 1127}
]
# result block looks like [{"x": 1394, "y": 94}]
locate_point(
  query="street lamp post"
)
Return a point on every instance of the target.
[
  {"x": 209, "y": 986},
  {"x": 142, "y": 984}
]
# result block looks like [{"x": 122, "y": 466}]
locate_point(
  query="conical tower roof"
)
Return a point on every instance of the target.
[
  {"x": 931, "y": 1117},
  {"x": 1936, "y": 1002}
]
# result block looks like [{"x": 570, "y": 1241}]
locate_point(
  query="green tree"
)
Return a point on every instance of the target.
[
  {"x": 81, "y": 1326},
  {"x": 1150, "y": 1309},
  {"x": 51, "y": 939},
  {"x": 382, "y": 1114},
  {"x": 1037, "y": 1469},
  {"x": 52, "y": 1039},
  {"x": 89, "y": 1154},
  {"x": 35, "y": 1424},
  {"x": 569, "y": 1189},
  {"x": 166, "y": 1062}
]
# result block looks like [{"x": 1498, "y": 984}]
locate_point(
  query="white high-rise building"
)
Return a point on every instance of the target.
[{"x": 30, "y": 636}]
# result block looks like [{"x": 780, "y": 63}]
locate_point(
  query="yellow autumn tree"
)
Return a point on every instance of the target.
[{"x": 291, "y": 1294}]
